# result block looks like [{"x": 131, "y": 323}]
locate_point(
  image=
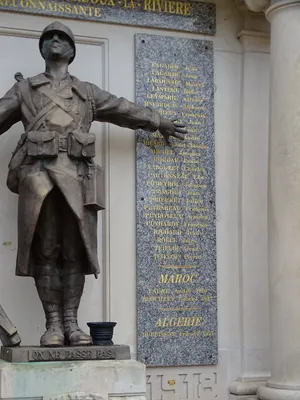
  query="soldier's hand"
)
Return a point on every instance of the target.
[{"x": 171, "y": 128}]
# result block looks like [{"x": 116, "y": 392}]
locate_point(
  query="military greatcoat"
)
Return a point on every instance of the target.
[{"x": 37, "y": 177}]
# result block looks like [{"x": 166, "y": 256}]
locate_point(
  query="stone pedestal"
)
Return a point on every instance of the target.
[{"x": 105, "y": 379}]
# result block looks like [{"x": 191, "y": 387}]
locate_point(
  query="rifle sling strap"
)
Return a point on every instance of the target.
[{"x": 57, "y": 100}]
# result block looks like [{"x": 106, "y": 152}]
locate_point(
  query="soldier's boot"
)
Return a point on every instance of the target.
[
  {"x": 73, "y": 284},
  {"x": 49, "y": 289},
  {"x": 54, "y": 335}
]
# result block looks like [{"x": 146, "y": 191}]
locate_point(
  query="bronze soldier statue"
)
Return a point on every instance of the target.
[{"x": 53, "y": 172}]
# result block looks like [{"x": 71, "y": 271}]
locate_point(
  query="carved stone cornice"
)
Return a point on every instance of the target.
[
  {"x": 257, "y": 5},
  {"x": 281, "y": 4},
  {"x": 254, "y": 16},
  {"x": 240, "y": 4}
]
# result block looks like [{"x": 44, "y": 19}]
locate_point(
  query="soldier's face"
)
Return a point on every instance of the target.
[{"x": 57, "y": 46}]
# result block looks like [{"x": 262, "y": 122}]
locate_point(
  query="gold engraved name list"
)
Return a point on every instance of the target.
[{"x": 177, "y": 205}]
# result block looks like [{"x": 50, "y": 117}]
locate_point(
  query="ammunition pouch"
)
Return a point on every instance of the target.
[
  {"x": 94, "y": 189},
  {"x": 81, "y": 145},
  {"x": 42, "y": 144}
]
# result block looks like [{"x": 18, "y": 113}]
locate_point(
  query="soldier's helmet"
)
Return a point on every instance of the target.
[{"x": 59, "y": 28}]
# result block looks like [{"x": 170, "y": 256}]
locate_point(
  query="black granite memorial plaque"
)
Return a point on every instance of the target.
[
  {"x": 176, "y": 235},
  {"x": 181, "y": 15}
]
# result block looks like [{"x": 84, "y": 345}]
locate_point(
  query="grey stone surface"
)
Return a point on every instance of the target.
[
  {"x": 79, "y": 396},
  {"x": 178, "y": 15},
  {"x": 78, "y": 353},
  {"x": 175, "y": 194}
]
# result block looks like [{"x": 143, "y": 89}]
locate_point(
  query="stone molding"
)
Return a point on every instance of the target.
[
  {"x": 267, "y": 7},
  {"x": 240, "y": 4},
  {"x": 257, "y": 5},
  {"x": 253, "y": 21},
  {"x": 245, "y": 397},
  {"x": 246, "y": 388},
  {"x": 268, "y": 393},
  {"x": 254, "y": 41},
  {"x": 281, "y": 4}
]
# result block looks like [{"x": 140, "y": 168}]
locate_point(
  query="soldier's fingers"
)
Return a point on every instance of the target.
[
  {"x": 179, "y": 125},
  {"x": 179, "y": 130},
  {"x": 167, "y": 140},
  {"x": 178, "y": 136}
]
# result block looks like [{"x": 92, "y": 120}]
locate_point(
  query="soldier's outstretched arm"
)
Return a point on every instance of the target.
[
  {"x": 10, "y": 109},
  {"x": 122, "y": 112},
  {"x": 8, "y": 333}
]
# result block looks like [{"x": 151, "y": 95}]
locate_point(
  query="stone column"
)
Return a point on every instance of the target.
[
  {"x": 253, "y": 170},
  {"x": 284, "y": 200},
  {"x": 254, "y": 300}
]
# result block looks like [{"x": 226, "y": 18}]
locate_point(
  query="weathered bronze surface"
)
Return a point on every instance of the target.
[
  {"x": 8, "y": 333},
  {"x": 60, "y": 188}
]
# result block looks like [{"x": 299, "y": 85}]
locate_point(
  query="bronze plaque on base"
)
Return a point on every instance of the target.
[{"x": 80, "y": 353}]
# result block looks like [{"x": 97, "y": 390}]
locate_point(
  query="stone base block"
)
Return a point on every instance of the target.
[
  {"x": 269, "y": 393},
  {"x": 239, "y": 397},
  {"x": 35, "y": 354},
  {"x": 245, "y": 389},
  {"x": 80, "y": 380}
]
